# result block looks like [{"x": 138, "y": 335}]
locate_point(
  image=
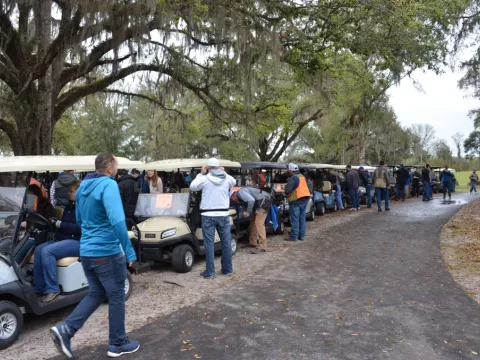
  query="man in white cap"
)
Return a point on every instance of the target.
[
  {"x": 298, "y": 190},
  {"x": 214, "y": 207}
]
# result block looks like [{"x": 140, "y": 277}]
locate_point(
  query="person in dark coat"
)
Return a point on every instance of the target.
[
  {"x": 66, "y": 244},
  {"x": 128, "y": 186},
  {"x": 402, "y": 177}
]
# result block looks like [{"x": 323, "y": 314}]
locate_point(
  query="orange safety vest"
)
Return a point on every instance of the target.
[{"x": 301, "y": 191}]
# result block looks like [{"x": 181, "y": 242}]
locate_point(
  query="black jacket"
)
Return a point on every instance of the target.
[
  {"x": 416, "y": 178},
  {"x": 129, "y": 192},
  {"x": 68, "y": 226},
  {"x": 425, "y": 175},
  {"x": 402, "y": 175}
]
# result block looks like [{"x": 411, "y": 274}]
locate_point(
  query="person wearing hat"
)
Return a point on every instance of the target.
[
  {"x": 258, "y": 206},
  {"x": 298, "y": 191},
  {"x": 215, "y": 187},
  {"x": 446, "y": 177},
  {"x": 473, "y": 180},
  {"x": 60, "y": 190}
]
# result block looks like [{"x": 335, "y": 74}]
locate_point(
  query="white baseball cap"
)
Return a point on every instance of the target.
[
  {"x": 213, "y": 163},
  {"x": 292, "y": 167}
]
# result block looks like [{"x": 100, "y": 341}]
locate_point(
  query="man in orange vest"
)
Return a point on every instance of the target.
[{"x": 298, "y": 190}]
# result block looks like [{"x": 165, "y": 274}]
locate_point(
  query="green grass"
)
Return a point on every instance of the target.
[{"x": 462, "y": 178}]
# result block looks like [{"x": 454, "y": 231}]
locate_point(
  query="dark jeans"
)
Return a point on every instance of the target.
[
  {"x": 381, "y": 192},
  {"x": 427, "y": 190},
  {"x": 45, "y": 263},
  {"x": 400, "y": 192},
  {"x": 106, "y": 277},
  {"x": 222, "y": 225},
  {"x": 368, "y": 188},
  {"x": 416, "y": 190},
  {"x": 298, "y": 219},
  {"x": 354, "y": 198},
  {"x": 473, "y": 186},
  {"x": 447, "y": 188}
]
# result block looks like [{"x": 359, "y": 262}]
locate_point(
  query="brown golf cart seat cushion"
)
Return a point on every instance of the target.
[
  {"x": 60, "y": 262},
  {"x": 185, "y": 190},
  {"x": 327, "y": 186},
  {"x": 59, "y": 212}
]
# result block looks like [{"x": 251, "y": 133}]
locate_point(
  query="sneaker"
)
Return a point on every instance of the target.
[
  {"x": 206, "y": 276},
  {"x": 61, "y": 340},
  {"x": 50, "y": 297},
  {"x": 387, "y": 209},
  {"x": 228, "y": 274},
  {"x": 379, "y": 210},
  {"x": 128, "y": 348},
  {"x": 288, "y": 239},
  {"x": 352, "y": 209}
]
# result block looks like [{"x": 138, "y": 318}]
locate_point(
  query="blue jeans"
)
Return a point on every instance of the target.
[
  {"x": 338, "y": 196},
  {"x": 298, "y": 219},
  {"x": 381, "y": 192},
  {"x": 474, "y": 186},
  {"x": 400, "y": 192},
  {"x": 222, "y": 225},
  {"x": 368, "y": 188},
  {"x": 24, "y": 250},
  {"x": 447, "y": 188},
  {"x": 45, "y": 263},
  {"x": 354, "y": 198},
  {"x": 106, "y": 277},
  {"x": 427, "y": 190}
]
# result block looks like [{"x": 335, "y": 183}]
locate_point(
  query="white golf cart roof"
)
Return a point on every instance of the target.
[
  {"x": 57, "y": 163},
  {"x": 323, "y": 166},
  {"x": 184, "y": 164}
]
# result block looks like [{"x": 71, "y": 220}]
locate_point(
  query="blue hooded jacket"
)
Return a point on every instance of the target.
[{"x": 100, "y": 214}]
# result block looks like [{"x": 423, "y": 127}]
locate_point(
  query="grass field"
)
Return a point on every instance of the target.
[{"x": 463, "y": 180}]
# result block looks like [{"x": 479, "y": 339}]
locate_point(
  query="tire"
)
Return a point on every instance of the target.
[
  {"x": 320, "y": 209},
  {"x": 281, "y": 227},
  {"x": 11, "y": 323},
  {"x": 311, "y": 214},
  {"x": 183, "y": 258},
  {"x": 128, "y": 286},
  {"x": 234, "y": 243}
]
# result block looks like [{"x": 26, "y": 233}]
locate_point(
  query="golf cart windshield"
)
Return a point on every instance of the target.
[
  {"x": 149, "y": 205},
  {"x": 12, "y": 191}
]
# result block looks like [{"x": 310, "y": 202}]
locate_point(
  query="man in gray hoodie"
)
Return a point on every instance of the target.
[
  {"x": 215, "y": 187},
  {"x": 260, "y": 202},
  {"x": 60, "y": 190}
]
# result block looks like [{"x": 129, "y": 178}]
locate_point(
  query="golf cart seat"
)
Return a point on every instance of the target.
[
  {"x": 327, "y": 187},
  {"x": 131, "y": 235},
  {"x": 232, "y": 212},
  {"x": 185, "y": 190},
  {"x": 59, "y": 212},
  {"x": 60, "y": 262}
]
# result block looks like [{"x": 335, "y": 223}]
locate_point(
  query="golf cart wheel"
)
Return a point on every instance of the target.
[
  {"x": 320, "y": 209},
  {"x": 311, "y": 214},
  {"x": 11, "y": 323},
  {"x": 234, "y": 243},
  {"x": 128, "y": 286},
  {"x": 281, "y": 227},
  {"x": 183, "y": 258}
]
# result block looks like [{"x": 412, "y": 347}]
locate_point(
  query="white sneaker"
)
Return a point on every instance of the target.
[{"x": 352, "y": 209}]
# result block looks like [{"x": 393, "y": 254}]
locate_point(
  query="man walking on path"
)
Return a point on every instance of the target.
[
  {"x": 353, "y": 183},
  {"x": 446, "y": 177},
  {"x": 215, "y": 187},
  {"x": 99, "y": 212},
  {"x": 298, "y": 191},
  {"x": 380, "y": 181},
  {"x": 367, "y": 182},
  {"x": 402, "y": 177},
  {"x": 259, "y": 203},
  {"x": 473, "y": 180},
  {"x": 427, "y": 185}
]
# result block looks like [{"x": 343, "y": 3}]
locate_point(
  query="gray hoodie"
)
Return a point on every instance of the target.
[{"x": 215, "y": 188}]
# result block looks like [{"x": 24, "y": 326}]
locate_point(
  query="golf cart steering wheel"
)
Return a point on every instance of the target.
[{"x": 39, "y": 220}]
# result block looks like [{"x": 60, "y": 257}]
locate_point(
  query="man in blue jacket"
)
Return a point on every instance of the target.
[
  {"x": 103, "y": 246},
  {"x": 446, "y": 177}
]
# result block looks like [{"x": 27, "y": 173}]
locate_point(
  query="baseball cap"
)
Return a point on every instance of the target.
[
  {"x": 135, "y": 171},
  {"x": 361, "y": 168},
  {"x": 213, "y": 163},
  {"x": 231, "y": 193},
  {"x": 292, "y": 167}
]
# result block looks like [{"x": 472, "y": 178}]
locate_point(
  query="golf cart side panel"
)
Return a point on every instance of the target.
[
  {"x": 151, "y": 229},
  {"x": 7, "y": 273},
  {"x": 13, "y": 291}
]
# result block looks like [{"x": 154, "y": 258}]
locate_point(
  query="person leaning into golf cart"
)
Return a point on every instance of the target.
[
  {"x": 298, "y": 191},
  {"x": 258, "y": 206},
  {"x": 215, "y": 187},
  {"x": 367, "y": 183},
  {"x": 334, "y": 179},
  {"x": 66, "y": 244}
]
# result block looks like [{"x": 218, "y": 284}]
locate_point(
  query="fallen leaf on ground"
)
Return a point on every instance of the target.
[
  {"x": 354, "y": 334},
  {"x": 186, "y": 342},
  {"x": 196, "y": 356}
]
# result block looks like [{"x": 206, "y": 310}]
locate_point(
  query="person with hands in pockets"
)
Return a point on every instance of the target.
[
  {"x": 103, "y": 246},
  {"x": 215, "y": 185}
]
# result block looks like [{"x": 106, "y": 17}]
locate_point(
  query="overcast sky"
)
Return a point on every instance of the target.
[{"x": 440, "y": 103}]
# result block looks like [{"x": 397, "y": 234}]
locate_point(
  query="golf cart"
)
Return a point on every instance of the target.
[
  {"x": 17, "y": 296},
  {"x": 171, "y": 227}
]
